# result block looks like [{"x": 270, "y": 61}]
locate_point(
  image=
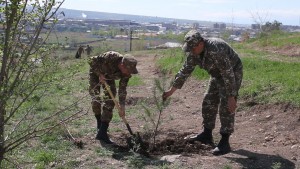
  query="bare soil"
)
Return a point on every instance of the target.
[{"x": 266, "y": 136}]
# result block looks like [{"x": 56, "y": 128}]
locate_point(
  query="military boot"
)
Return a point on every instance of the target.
[
  {"x": 223, "y": 147},
  {"x": 98, "y": 118},
  {"x": 102, "y": 133},
  {"x": 205, "y": 137}
]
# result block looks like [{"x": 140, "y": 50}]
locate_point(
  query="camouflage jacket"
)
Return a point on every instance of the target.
[
  {"x": 218, "y": 59},
  {"x": 107, "y": 64}
]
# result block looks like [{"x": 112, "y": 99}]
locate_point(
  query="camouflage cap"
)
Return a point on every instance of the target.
[
  {"x": 130, "y": 63},
  {"x": 191, "y": 39}
]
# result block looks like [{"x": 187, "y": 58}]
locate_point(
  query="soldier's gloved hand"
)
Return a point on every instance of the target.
[
  {"x": 102, "y": 78},
  {"x": 165, "y": 95},
  {"x": 231, "y": 104},
  {"x": 122, "y": 111},
  {"x": 168, "y": 93}
]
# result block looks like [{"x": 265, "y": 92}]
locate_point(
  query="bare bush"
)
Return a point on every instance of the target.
[{"x": 27, "y": 74}]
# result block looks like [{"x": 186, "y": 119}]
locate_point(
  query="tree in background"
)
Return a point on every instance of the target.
[
  {"x": 269, "y": 27},
  {"x": 266, "y": 27},
  {"x": 26, "y": 70}
]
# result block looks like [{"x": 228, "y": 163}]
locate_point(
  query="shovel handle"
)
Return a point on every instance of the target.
[
  {"x": 117, "y": 105},
  {"x": 129, "y": 128},
  {"x": 112, "y": 97}
]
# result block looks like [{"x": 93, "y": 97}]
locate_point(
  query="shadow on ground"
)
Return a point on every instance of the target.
[
  {"x": 132, "y": 158},
  {"x": 261, "y": 161}
]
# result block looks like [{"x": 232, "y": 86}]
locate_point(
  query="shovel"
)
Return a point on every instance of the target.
[{"x": 136, "y": 141}]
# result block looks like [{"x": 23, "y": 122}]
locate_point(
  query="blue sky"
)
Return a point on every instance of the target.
[{"x": 230, "y": 11}]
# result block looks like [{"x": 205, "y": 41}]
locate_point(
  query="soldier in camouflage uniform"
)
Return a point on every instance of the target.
[
  {"x": 88, "y": 50},
  {"x": 79, "y": 52},
  {"x": 226, "y": 71},
  {"x": 109, "y": 66}
]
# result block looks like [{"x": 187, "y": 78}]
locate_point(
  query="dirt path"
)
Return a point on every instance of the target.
[{"x": 266, "y": 136}]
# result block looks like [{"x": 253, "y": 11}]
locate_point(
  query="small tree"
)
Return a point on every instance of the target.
[
  {"x": 26, "y": 72},
  {"x": 154, "y": 116}
]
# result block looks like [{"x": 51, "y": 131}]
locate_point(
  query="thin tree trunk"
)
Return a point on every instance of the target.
[{"x": 2, "y": 112}]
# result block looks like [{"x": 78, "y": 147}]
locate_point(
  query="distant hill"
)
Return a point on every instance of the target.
[{"x": 81, "y": 14}]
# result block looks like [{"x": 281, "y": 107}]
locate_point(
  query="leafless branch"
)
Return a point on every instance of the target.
[{"x": 34, "y": 133}]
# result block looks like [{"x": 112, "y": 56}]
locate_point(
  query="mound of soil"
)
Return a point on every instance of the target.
[{"x": 173, "y": 143}]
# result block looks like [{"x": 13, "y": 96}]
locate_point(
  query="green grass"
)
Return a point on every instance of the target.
[
  {"x": 104, "y": 152},
  {"x": 277, "y": 39},
  {"x": 135, "y": 80},
  {"x": 271, "y": 81},
  {"x": 174, "y": 59},
  {"x": 43, "y": 157}
]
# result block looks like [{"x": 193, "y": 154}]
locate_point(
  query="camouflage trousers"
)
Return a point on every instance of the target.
[
  {"x": 215, "y": 101},
  {"x": 102, "y": 106}
]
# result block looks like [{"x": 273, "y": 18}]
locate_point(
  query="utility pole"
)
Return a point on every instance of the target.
[{"x": 130, "y": 38}]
